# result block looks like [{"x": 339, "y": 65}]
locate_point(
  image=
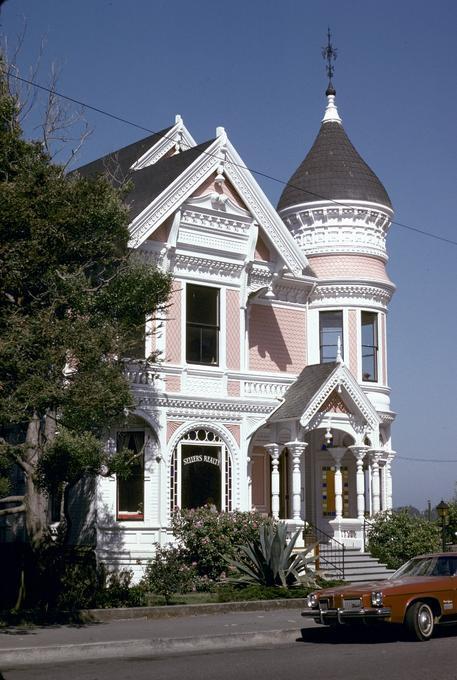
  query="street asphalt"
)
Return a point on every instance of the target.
[{"x": 144, "y": 637}]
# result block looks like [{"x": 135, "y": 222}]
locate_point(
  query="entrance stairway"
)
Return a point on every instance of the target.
[{"x": 359, "y": 566}]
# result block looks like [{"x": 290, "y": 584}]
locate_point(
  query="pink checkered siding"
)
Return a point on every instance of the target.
[
  {"x": 356, "y": 267},
  {"x": 233, "y": 388},
  {"x": 352, "y": 340},
  {"x": 235, "y": 432},
  {"x": 172, "y": 426},
  {"x": 173, "y": 383},
  {"x": 233, "y": 330},
  {"x": 277, "y": 340},
  {"x": 209, "y": 186},
  {"x": 173, "y": 325}
]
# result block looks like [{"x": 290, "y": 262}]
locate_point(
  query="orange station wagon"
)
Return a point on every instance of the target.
[{"x": 420, "y": 595}]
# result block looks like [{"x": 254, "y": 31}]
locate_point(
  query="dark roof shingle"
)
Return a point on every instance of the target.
[
  {"x": 302, "y": 391},
  {"x": 149, "y": 182},
  {"x": 333, "y": 170}
]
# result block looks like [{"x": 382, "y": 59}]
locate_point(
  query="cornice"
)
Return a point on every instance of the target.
[
  {"x": 212, "y": 268},
  {"x": 190, "y": 408},
  {"x": 321, "y": 228},
  {"x": 350, "y": 293}
]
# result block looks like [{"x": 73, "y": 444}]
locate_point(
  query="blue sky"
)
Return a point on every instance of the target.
[{"x": 255, "y": 67}]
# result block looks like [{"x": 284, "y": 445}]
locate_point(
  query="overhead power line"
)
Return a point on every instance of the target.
[
  {"x": 259, "y": 173},
  {"x": 427, "y": 460}
]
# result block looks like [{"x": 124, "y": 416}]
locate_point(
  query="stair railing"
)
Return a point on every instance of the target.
[
  {"x": 367, "y": 526},
  {"x": 334, "y": 556}
]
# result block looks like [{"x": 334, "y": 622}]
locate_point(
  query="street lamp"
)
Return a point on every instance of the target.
[{"x": 443, "y": 511}]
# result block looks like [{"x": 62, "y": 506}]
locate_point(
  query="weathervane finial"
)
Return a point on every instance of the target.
[{"x": 330, "y": 53}]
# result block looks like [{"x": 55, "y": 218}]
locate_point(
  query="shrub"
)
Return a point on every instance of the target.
[
  {"x": 268, "y": 560},
  {"x": 396, "y": 537},
  {"x": 168, "y": 573},
  {"x": 115, "y": 589},
  {"x": 209, "y": 536}
]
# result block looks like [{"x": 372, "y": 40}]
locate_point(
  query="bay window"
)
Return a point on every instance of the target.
[
  {"x": 330, "y": 329},
  {"x": 369, "y": 346}
]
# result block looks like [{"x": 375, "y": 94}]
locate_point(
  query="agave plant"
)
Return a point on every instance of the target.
[{"x": 269, "y": 560}]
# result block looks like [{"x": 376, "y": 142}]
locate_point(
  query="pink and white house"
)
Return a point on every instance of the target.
[{"x": 273, "y": 388}]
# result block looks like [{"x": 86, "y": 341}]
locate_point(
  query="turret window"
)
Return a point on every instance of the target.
[
  {"x": 369, "y": 346},
  {"x": 330, "y": 329}
]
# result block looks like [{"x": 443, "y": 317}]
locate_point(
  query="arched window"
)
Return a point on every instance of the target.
[{"x": 201, "y": 472}]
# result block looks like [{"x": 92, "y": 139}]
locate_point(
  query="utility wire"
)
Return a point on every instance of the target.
[
  {"x": 103, "y": 112},
  {"x": 426, "y": 460}
]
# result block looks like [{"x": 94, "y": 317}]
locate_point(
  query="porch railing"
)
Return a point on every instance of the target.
[{"x": 333, "y": 557}]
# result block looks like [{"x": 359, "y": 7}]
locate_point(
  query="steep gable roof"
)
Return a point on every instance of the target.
[
  {"x": 300, "y": 393},
  {"x": 306, "y": 396},
  {"x": 121, "y": 160},
  {"x": 152, "y": 180}
]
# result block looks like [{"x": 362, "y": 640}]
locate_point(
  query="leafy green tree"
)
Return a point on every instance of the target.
[
  {"x": 73, "y": 301},
  {"x": 396, "y": 537}
]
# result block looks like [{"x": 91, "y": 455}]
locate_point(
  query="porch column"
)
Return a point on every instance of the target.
[
  {"x": 273, "y": 450},
  {"x": 296, "y": 450},
  {"x": 338, "y": 453},
  {"x": 390, "y": 457},
  {"x": 375, "y": 486},
  {"x": 359, "y": 453}
]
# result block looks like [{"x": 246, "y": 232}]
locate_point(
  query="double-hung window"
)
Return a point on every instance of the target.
[
  {"x": 330, "y": 329},
  {"x": 130, "y": 491},
  {"x": 202, "y": 325},
  {"x": 370, "y": 346}
]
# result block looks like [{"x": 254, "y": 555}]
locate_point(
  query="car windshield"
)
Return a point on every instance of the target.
[{"x": 428, "y": 566}]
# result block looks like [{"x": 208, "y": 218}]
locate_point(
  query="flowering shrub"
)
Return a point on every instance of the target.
[
  {"x": 396, "y": 537},
  {"x": 169, "y": 572},
  {"x": 210, "y": 537}
]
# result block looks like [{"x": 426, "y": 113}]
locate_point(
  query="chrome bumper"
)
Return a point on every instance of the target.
[{"x": 332, "y": 616}]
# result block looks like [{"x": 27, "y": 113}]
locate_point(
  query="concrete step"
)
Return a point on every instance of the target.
[{"x": 359, "y": 566}]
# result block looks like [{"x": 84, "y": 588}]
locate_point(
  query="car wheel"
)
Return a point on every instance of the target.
[{"x": 419, "y": 621}]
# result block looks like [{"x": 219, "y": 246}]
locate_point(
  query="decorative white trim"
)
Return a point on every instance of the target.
[
  {"x": 182, "y": 188},
  {"x": 263, "y": 211},
  {"x": 341, "y": 377},
  {"x": 179, "y": 136},
  {"x": 351, "y": 294},
  {"x": 331, "y": 112},
  {"x": 229, "y": 441},
  {"x": 345, "y": 226}
]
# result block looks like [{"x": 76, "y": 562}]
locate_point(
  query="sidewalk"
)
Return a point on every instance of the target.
[{"x": 148, "y": 637}]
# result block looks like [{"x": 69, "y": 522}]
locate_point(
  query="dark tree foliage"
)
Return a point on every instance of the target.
[{"x": 73, "y": 301}]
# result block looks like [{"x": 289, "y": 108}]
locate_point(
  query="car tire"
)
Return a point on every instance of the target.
[{"x": 419, "y": 621}]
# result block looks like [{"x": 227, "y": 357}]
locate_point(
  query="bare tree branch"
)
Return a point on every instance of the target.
[
  {"x": 12, "y": 511},
  {"x": 12, "y": 499}
]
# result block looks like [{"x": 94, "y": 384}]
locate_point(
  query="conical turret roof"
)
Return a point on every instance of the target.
[{"x": 333, "y": 169}]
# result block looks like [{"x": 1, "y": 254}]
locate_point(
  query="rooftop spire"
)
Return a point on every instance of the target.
[{"x": 330, "y": 53}]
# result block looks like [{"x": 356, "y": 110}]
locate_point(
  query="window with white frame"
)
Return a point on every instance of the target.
[
  {"x": 201, "y": 472},
  {"x": 202, "y": 325},
  {"x": 130, "y": 491},
  {"x": 369, "y": 324},
  {"x": 330, "y": 329}
]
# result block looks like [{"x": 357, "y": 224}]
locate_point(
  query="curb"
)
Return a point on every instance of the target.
[
  {"x": 26, "y": 656},
  {"x": 171, "y": 611}
]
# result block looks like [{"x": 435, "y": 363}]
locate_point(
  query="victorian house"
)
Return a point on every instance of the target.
[{"x": 272, "y": 392}]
